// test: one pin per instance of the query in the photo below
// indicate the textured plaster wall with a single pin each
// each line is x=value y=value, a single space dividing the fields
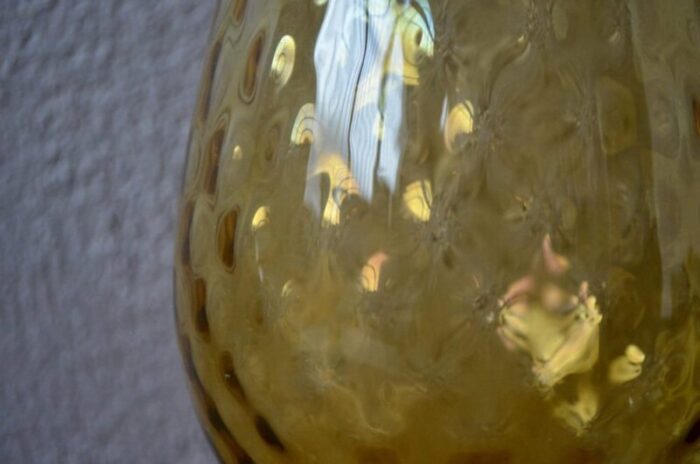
x=95 y=102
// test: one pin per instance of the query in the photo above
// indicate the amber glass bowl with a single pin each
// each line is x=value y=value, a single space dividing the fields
x=445 y=231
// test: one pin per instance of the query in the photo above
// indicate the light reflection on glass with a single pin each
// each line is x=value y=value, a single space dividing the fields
x=304 y=129
x=261 y=218
x=460 y=122
x=371 y=272
x=362 y=75
x=341 y=182
x=418 y=200
x=283 y=61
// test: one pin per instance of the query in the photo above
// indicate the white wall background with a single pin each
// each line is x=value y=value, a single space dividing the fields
x=95 y=102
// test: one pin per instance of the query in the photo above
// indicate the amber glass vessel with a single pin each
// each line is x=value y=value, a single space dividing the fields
x=445 y=231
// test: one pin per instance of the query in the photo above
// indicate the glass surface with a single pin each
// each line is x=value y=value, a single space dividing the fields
x=445 y=232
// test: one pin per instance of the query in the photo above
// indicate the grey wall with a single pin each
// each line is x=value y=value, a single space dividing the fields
x=95 y=102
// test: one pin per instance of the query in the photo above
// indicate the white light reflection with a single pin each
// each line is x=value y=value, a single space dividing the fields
x=362 y=71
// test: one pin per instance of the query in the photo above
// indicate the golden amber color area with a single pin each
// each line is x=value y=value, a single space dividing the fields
x=445 y=232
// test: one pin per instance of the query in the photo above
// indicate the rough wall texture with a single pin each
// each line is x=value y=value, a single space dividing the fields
x=95 y=102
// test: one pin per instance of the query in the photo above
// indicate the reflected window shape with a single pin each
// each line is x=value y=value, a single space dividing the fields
x=366 y=53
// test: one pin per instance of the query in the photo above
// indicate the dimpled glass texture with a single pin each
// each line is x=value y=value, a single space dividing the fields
x=445 y=231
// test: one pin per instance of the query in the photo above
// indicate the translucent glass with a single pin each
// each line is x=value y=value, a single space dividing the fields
x=445 y=232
